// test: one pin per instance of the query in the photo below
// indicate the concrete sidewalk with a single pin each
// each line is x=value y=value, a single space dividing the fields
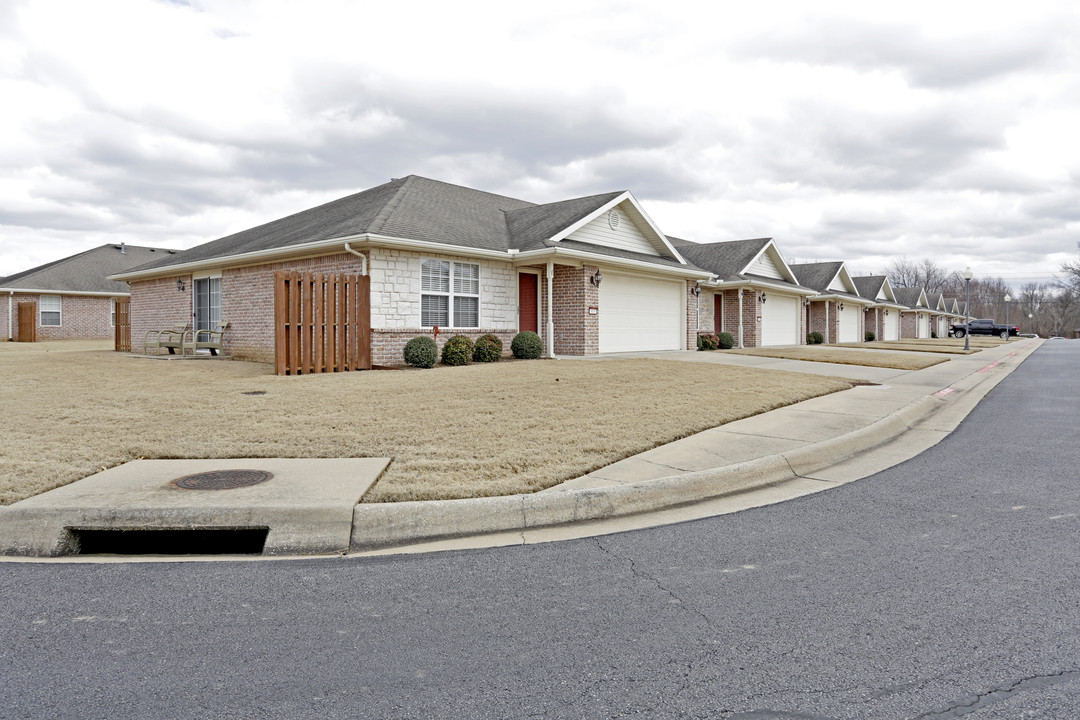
x=791 y=451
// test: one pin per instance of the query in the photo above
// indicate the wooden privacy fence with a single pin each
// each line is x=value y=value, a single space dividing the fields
x=322 y=322
x=122 y=329
x=27 y=322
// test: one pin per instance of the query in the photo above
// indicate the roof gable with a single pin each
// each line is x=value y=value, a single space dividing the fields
x=914 y=298
x=620 y=223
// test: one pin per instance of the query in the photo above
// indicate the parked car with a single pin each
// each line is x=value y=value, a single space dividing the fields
x=984 y=326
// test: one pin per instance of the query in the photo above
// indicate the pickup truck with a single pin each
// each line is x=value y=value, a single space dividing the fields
x=985 y=327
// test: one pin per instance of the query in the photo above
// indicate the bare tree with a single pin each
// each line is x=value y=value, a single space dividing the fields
x=903 y=273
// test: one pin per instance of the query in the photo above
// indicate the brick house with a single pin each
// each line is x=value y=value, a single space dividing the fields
x=915 y=318
x=882 y=316
x=955 y=314
x=444 y=255
x=74 y=297
x=836 y=310
x=753 y=294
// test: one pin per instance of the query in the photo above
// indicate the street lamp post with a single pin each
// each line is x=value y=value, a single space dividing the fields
x=1031 y=324
x=1007 y=333
x=967 y=307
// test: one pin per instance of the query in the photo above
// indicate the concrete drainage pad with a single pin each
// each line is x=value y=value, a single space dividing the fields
x=270 y=506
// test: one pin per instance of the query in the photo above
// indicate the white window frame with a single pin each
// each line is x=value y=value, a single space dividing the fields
x=210 y=276
x=112 y=312
x=59 y=310
x=453 y=292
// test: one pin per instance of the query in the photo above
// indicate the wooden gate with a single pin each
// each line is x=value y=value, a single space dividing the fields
x=27 y=322
x=122 y=328
x=322 y=322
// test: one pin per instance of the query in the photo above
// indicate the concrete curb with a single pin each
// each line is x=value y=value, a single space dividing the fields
x=378 y=526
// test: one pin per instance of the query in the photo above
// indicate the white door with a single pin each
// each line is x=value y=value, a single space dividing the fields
x=779 y=320
x=849 y=323
x=923 y=331
x=638 y=314
x=892 y=325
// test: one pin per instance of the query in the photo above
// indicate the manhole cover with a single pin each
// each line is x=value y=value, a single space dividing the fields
x=222 y=479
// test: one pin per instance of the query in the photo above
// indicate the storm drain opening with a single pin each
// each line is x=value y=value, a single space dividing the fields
x=205 y=541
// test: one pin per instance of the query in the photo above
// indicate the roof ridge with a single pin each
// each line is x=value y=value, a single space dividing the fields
x=391 y=205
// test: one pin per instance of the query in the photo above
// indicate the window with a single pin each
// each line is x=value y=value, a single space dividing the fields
x=50 y=310
x=450 y=291
x=112 y=312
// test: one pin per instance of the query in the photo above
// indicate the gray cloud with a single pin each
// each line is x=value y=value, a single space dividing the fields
x=946 y=62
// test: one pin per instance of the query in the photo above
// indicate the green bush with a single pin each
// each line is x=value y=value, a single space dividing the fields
x=527 y=345
x=488 y=348
x=421 y=352
x=707 y=342
x=457 y=350
x=725 y=341
x=870 y=336
x=933 y=333
x=815 y=338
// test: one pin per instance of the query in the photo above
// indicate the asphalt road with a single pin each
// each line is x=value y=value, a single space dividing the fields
x=945 y=587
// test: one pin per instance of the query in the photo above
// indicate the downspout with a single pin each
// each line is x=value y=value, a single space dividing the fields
x=362 y=256
x=550 y=329
x=740 y=318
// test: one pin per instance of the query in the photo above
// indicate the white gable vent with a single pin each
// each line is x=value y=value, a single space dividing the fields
x=613 y=219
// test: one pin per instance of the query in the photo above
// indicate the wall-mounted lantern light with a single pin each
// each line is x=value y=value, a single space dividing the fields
x=596 y=277
x=696 y=290
x=180 y=284
x=841 y=307
x=762 y=297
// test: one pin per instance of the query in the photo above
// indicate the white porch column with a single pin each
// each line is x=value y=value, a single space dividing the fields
x=550 y=329
x=740 y=317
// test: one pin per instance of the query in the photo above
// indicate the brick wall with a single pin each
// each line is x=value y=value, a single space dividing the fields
x=577 y=332
x=82 y=317
x=387 y=346
x=692 y=315
x=908 y=325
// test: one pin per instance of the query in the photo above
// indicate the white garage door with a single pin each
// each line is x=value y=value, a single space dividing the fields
x=849 y=323
x=892 y=326
x=639 y=314
x=923 y=331
x=779 y=320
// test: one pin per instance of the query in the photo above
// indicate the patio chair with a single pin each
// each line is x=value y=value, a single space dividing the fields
x=210 y=339
x=168 y=339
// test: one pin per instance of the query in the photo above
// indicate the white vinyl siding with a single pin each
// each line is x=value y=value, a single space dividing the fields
x=780 y=320
x=49 y=309
x=765 y=266
x=837 y=285
x=625 y=235
x=449 y=290
x=638 y=314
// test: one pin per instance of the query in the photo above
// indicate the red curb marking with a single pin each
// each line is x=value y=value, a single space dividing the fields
x=990 y=367
x=943 y=393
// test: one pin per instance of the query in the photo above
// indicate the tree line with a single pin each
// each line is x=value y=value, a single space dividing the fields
x=1046 y=308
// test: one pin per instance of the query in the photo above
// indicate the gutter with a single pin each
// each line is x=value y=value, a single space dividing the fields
x=530 y=256
x=736 y=284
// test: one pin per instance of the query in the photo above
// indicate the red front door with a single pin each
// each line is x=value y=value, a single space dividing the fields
x=527 y=309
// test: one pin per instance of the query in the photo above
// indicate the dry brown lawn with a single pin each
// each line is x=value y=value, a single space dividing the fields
x=844 y=356
x=948 y=346
x=73 y=409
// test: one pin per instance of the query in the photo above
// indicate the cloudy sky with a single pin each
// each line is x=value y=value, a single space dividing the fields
x=847 y=131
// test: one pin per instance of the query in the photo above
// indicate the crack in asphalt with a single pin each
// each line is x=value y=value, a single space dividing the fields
x=660 y=586
x=999 y=694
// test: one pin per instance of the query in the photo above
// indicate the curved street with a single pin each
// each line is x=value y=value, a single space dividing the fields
x=944 y=587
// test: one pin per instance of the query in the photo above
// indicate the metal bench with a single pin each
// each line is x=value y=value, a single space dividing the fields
x=169 y=339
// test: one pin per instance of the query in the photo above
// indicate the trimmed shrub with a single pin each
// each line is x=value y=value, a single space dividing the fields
x=457 y=350
x=815 y=338
x=707 y=342
x=421 y=352
x=725 y=341
x=933 y=334
x=527 y=345
x=488 y=348
x=870 y=336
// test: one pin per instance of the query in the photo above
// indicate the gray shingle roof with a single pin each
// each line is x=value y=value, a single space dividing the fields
x=416 y=208
x=869 y=285
x=726 y=259
x=87 y=271
x=908 y=296
x=816 y=275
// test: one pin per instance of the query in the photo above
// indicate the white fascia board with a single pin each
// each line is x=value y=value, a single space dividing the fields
x=777 y=286
x=890 y=306
x=614 y=202
x=579 y=257
x=779 y=258
x=845 y=277
x=307 y=250
x=77 y=293
x=857 y=299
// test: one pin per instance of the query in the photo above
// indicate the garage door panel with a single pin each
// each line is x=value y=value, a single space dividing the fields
x=639 y=314
x=780 y=320
x=849 y=324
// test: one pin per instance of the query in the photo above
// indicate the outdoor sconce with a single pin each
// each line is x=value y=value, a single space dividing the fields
x=596 y=277
x=180 y=284
x=841 y=307
x=886 y=312
x=696 y=290
x=762 y=297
